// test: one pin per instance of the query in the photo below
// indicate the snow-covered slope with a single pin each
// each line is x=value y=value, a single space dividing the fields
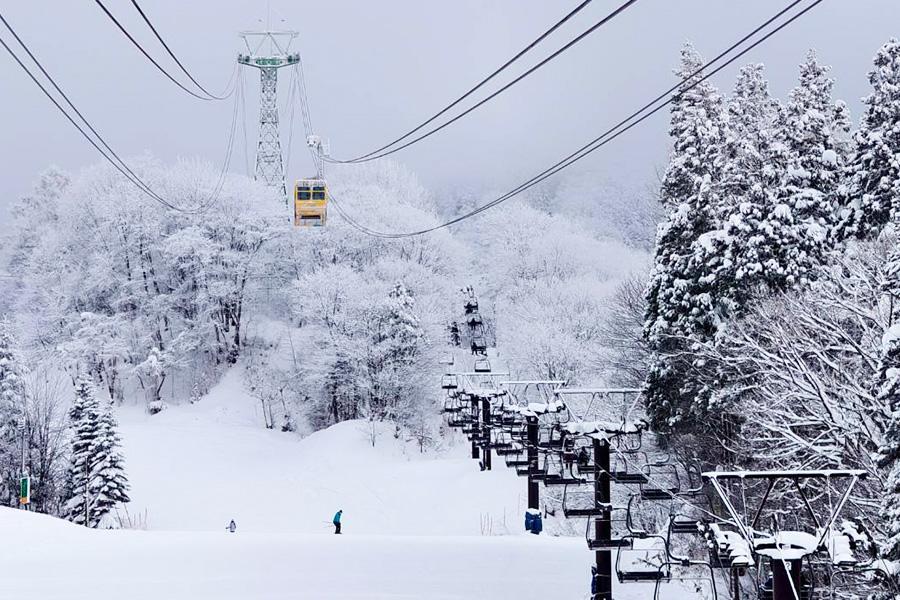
x=54 y=560
x=424 y=527
x=196 y=467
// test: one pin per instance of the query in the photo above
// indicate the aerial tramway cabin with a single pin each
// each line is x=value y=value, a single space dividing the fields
x=310 y=203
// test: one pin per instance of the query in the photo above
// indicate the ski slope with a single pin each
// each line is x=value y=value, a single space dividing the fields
x=195 y=467
x=59 y=560
x=415 y=526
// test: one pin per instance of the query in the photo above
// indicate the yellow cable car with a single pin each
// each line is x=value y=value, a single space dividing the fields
x=310 y=203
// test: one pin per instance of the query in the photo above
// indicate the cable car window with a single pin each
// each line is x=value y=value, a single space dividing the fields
x=303 y=195
x=318 y=195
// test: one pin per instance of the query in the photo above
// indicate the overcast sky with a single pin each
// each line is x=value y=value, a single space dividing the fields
x=375 y=68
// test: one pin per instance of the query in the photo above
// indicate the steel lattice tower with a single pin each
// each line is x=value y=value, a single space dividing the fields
x=268 y=51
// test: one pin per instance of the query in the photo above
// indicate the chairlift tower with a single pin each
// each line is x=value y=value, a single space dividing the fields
x=269 y=51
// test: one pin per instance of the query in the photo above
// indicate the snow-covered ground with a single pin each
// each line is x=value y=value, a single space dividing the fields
x=52 y=559
x=416 y=526
x=196 y=467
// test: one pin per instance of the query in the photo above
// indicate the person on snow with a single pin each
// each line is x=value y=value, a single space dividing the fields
x=232 y=527
x=337 y=521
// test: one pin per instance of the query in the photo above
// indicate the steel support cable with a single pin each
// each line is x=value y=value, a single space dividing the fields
x=224 y=95
x=291 y=99
x=579 y=38
x=137 y=182
x=112 y=157
x=304 y=104
x=242 y=94
x=621 y=127
x=303 y=98
x=147 y=54
x=480 y=84
x=118 y=163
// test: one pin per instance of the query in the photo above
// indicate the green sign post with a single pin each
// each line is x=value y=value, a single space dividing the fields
x=25 y=490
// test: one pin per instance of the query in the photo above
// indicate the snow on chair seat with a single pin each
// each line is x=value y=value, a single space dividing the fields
x=840 y=549
x=727 y=548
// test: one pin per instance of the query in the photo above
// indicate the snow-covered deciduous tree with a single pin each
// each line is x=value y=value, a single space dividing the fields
x=393 y=344
x=798 y=370
x=96 y=480
x=873 y=190
x=12 y=412
x=47 y=443
x=138 y=295
x=887 y=394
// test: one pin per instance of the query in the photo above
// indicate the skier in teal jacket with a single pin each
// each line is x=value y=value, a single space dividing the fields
x=337 y=521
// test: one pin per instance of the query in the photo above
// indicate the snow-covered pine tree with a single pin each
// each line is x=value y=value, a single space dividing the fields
x=873 y=189
x=740 y=255
x=113 y=483
x=813 y=136
x=12 y=410
x=678 y=302
x=404 y=332
x=96 y=478
x=695 y=117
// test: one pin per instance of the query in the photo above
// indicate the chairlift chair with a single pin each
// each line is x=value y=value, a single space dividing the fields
x=482 y=365
x=858 y=582
x=449 y=382
x=629 y=442
x=500 y=441
x=550 y=438
x=663 y=482
x=474 y=320
x=517 y=460
x=479 y=345
x=580 y=500
x=534 y=471
x=766 y=590
x=621 y=474
x=512 y=449
x=643 y=564
x=726 y=546
x=684 y=526
x=459 y=419
x=616 y=539
x=703 y=585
